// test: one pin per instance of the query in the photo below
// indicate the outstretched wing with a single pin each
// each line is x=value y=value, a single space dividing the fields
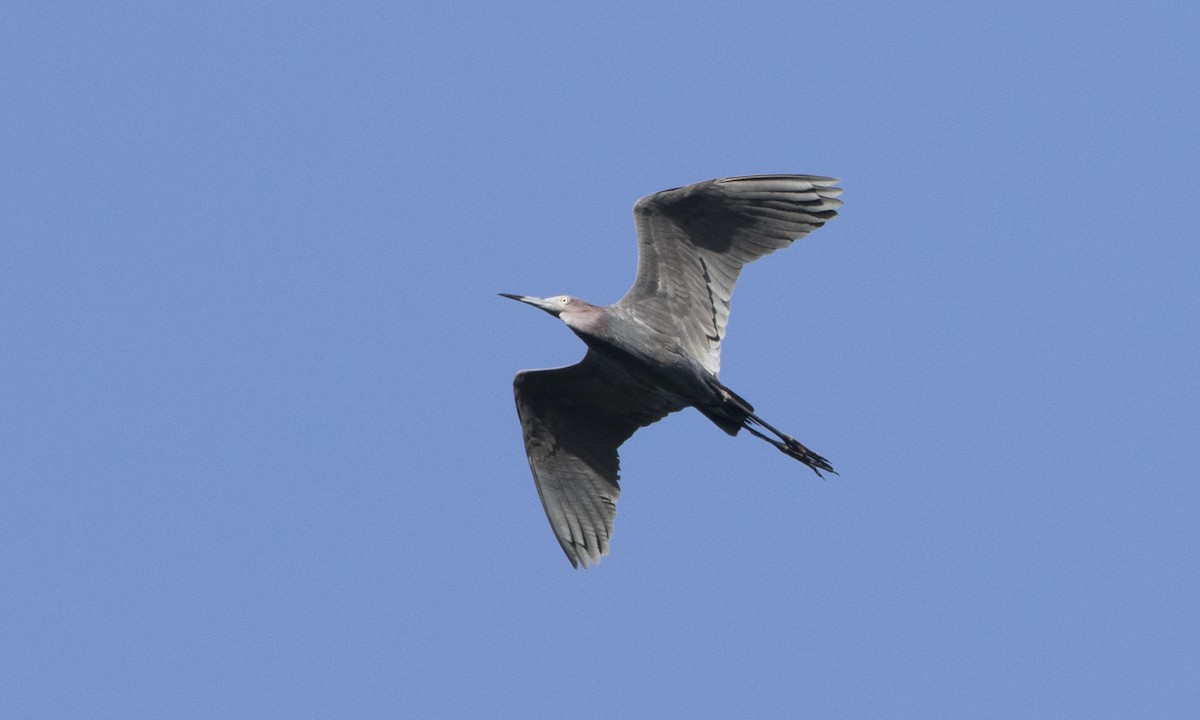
x=694 y=240
x=574 y=419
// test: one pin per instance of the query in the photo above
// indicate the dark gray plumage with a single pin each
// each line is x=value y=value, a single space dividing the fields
x=658 y=349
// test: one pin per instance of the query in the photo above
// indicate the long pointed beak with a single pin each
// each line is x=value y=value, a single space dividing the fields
x=534 y=301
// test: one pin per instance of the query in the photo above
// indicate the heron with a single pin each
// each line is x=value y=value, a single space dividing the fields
x=658 y=349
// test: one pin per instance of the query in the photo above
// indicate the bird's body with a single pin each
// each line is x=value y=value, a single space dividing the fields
x=657 y=350
x=620 y=338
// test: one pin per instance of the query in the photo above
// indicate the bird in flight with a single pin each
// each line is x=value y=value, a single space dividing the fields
x=658 y=349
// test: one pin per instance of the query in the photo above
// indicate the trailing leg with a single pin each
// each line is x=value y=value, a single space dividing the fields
x=788 y=445
x=731 y=413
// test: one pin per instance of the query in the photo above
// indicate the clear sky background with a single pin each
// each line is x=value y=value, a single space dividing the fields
x=258 y=450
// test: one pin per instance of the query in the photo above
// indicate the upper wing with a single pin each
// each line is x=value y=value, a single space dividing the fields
x=694 y=240
x=574 y=419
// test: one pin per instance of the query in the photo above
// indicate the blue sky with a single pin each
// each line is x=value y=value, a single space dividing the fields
x=259 y=456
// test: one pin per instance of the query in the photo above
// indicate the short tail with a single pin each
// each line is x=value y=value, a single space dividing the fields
x=734 y=414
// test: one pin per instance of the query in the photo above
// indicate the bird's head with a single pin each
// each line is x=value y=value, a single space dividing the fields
x=579 y=315
x=556 y=305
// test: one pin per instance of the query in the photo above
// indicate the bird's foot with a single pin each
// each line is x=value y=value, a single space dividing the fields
x=794 y=448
